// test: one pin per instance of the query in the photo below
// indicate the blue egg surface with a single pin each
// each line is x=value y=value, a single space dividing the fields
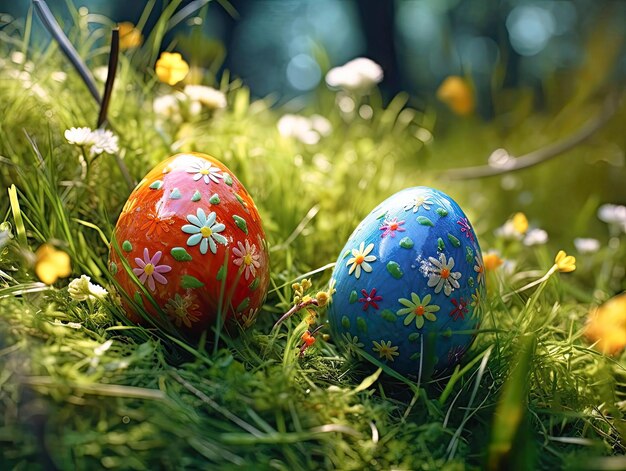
x=410 y=283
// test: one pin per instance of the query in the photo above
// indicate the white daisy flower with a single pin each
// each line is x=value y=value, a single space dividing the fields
x=359 y=74
x=104 y=140
x=508 y=231
x=203 y=169
x=78 y=136
x=612 y=214
x=306 y=130
x=441 y=276
x=535 y=237
x=587 y=245
x=208 y=96
x=81 y=289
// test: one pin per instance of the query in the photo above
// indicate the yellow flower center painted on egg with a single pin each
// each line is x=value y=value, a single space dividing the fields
x=247 y=259
x=206 y=232
x=204 y=171
x=148 y=269
x=359 y=259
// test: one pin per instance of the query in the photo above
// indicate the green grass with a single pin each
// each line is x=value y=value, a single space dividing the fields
x=82 y=388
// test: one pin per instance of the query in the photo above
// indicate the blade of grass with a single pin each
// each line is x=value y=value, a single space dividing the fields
x=47 y=18
x=17 y=217
x=511 y=406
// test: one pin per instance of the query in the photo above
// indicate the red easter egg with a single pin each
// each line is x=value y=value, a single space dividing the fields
x=192 y=235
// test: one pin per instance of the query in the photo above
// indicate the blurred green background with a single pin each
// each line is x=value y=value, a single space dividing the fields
x=539 y=70
x=271 y=44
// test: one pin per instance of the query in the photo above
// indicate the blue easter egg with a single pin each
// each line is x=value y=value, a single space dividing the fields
x=410 y=283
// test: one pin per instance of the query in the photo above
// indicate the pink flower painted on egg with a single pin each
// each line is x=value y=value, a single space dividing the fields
x=148 y=269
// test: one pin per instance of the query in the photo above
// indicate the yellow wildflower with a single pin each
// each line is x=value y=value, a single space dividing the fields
x=171 y=68
x=130 y=36
x=457 y=94
x=322 y=298
x=492 y=261
x=565 y=263
x=606 y=325
x=51 y=264
x=520 y=223
x=306 y=284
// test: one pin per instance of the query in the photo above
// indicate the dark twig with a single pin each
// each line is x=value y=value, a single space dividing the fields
x=108 y=90
x=296 y=308
x=46 y=17
x=108 y=86
x=531 y=159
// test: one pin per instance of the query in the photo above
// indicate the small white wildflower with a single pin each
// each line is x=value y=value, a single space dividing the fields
x=29 y=66
x=612 y=214
x=81 y=289
x=104 y=140
x=508 y=231
x=587 y=245
x=208 y=96
x=58 y=76
x=308 y=131
x=359 y=74
x=166 y=106
x=535 y=237
x=78 y=136
x=18 y=57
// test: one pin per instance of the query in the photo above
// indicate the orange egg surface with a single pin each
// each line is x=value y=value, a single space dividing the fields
x=192 y=236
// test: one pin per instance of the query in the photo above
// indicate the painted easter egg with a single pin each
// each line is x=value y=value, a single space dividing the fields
x=409 y=283
x=189 y=245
